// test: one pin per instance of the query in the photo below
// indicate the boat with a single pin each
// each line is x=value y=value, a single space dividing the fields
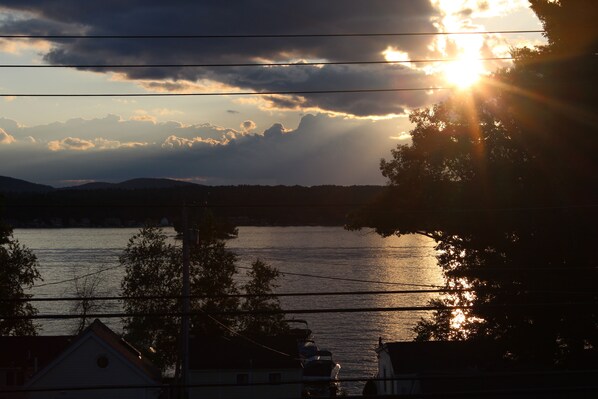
x=320 y=371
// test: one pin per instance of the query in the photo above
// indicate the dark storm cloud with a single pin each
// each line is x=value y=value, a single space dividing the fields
x=242 y=17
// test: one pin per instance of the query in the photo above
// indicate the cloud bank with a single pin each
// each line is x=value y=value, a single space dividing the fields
x=320 y=150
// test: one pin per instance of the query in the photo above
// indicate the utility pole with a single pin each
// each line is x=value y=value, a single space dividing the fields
x=186 y=309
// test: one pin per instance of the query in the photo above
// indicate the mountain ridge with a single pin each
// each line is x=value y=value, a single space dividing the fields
x=133 y=184
x=11 y=184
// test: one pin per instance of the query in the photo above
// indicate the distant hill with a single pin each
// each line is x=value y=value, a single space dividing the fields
x=91 y=186
x=10 y=184
x=133 y=184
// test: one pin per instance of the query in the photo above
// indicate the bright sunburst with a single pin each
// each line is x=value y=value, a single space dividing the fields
x=464 y=72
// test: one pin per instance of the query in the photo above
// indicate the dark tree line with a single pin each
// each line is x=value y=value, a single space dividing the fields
x=504 y=178
x=242 y=205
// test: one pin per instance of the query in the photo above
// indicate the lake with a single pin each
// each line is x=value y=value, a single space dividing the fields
x=318 y=251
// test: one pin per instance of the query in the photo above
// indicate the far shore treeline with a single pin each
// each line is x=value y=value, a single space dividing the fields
x=239 y=205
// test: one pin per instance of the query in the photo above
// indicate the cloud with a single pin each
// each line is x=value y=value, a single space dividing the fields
x=320 y=150
x=140 y=128
x=181 y=142
x=70 y=143
x=144 y=118
x=243 y=17
x=78 y=144
x=6 y=138
x=401 y=137
x=248 y=126
x=16 y=47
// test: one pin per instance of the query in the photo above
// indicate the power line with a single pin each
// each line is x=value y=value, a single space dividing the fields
x=422 y=377
x=77 y=277
x=232 y=93
x=271 y=36
x=249 y=268
x=434 y=288
x=7 y=204
x=250 y=64
x=271 y=295
x=351 y=279
x=575 y=305
x=234 y=332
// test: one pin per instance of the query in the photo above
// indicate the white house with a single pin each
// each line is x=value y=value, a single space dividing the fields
x=474 y=369
x=98 y=357
x=237 y=364
x=437 y=367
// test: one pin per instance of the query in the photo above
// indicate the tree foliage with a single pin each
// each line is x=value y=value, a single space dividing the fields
x=260 y=285
x=504 y=179
x=153 y=267
x=18 y=272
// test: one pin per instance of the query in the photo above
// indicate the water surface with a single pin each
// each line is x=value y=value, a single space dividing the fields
x=319 y=251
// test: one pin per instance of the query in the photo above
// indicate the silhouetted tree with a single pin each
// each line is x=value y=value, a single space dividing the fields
x=504 y=179
x=153 y=267
x=18 y=271
x=261 y=285
x=85 y=290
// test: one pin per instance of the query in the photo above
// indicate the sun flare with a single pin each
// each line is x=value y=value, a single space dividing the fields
x=463 y=73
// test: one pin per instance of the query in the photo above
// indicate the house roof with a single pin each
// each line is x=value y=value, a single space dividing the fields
x=31 y=351
x=440 y=356
x=480 y=367
x=124 y=348
x=212 y=352
x=100 y=332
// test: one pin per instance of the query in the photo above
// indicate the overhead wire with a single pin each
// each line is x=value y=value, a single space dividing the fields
x=249 y=268
x=251 y=93
x=23 y=204
x=251 y=64
x=244 y=337
x=231 y=93
x=237 y=93
x=270 y=295
x=428 y=308
x=422 y=377
x=351 y=279
x=77 y=277
x=267 y=36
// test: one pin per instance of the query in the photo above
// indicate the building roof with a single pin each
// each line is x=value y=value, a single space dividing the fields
x=31 y=351
x=124 y=348
x=465 y=366
x=223 y=353
x=99 y=331
x=440 y=356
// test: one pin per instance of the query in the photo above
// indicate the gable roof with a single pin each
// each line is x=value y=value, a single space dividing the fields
x=108 y=338
x=216 y=352
x=124 y=348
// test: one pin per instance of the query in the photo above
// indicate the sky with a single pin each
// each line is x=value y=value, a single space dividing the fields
x=306 y=139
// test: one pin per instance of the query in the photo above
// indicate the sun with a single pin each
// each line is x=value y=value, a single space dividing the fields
x=464 y=72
